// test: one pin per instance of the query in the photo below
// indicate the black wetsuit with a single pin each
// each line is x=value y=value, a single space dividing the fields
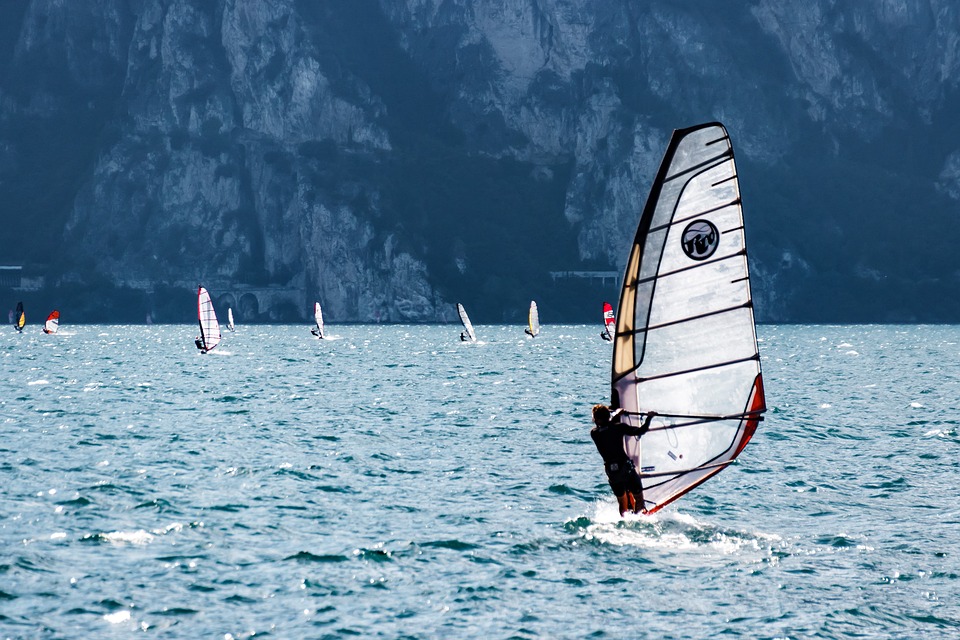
x=621 y=473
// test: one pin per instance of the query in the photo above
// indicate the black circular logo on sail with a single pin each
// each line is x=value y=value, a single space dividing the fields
x=700 y=239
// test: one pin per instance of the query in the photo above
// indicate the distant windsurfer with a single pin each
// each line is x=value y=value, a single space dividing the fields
x=199 y=343
x=19 y=318
x=315 y=331
x=529 y=333
x=622 y=475
x=606 y=336
x=463 y=336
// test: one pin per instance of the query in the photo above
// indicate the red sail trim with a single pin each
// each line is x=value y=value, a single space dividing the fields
x=52 y=322
x=758 y=404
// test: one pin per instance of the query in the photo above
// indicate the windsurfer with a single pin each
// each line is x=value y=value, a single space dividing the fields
x=622 y=475
x=606 y=335
x=463 y=337
x=529 y=333
x=199 y=344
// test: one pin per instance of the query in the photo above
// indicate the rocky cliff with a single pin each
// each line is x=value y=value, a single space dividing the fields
x=390 y=158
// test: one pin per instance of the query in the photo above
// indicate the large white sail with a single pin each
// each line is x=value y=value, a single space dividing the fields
x=467 y=325
x=533 y=320
x=209 y=327
x=318 y=319
x=685 y=343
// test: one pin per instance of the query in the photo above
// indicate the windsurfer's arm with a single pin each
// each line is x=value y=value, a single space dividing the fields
x=638 y=431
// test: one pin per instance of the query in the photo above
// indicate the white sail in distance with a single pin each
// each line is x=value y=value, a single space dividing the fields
x=230 y=324
x=318 y=320
x=207 y=317
x=685 y=344
x=533 y=320
x=467 y=325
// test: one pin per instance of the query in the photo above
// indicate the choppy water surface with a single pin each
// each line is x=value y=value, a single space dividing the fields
x=396 y=482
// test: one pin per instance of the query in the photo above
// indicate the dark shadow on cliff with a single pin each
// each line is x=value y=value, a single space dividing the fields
x=489 y=228
x=52 y=127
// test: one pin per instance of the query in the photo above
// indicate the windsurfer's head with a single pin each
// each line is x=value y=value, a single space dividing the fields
x=601 y=415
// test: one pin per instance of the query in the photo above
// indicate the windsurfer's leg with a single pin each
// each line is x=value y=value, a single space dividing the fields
x=623 y=503
x=635 y=489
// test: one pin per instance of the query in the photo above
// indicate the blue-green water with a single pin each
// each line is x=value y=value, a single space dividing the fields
x=395 y=482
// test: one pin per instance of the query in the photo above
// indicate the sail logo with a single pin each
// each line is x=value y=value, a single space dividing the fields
x=700 y=239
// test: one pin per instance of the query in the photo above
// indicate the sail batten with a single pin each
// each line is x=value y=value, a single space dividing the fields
x=698 y=214
x=714 y=162
x=728 y=363
x=742 y=252
x=718 y=365
x=747 y=304
x=695 y=420
x=713 y=465
x=685 y=341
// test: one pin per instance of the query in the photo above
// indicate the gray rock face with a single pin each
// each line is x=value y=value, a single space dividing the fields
x=207 y=181
x=390 y=158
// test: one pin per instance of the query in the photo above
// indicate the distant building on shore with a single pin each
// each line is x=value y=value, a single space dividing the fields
x=16 y=277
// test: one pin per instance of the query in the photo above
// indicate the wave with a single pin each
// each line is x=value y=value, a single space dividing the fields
x=672 y=531
x=140 y=537
x=307 y=557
